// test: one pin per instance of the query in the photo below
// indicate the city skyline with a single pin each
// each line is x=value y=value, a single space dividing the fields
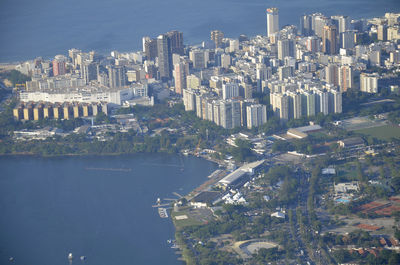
x=301 y=125
x=122 y=34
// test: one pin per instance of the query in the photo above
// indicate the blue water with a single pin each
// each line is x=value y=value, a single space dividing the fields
x=53 y=206
x=48 y=27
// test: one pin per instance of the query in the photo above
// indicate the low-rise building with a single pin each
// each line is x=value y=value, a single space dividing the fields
x=347 y=187
x=351 y=142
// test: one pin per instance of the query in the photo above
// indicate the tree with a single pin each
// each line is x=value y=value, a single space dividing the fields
x=16 y=77
x=360 y=174
x=282 y=146
x=243 y=151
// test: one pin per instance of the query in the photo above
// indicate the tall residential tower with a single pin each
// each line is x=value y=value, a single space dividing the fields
x=272 y=21
x=164 y=56
x=329 y=40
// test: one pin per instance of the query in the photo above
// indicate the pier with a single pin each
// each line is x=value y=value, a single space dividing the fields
x=177 y=194
x=160 y=205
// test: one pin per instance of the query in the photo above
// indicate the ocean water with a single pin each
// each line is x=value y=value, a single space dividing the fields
x=47 y=27
x=53 y=206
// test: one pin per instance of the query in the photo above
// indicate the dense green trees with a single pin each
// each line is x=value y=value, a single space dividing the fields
x=15 y=77
x=383 y=257
x=264 y=256
x=243 y=151
x=276 y=173
x=282 y=146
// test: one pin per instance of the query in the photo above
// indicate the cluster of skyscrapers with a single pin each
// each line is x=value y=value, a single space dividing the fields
x=230 y=111
x=300 y=71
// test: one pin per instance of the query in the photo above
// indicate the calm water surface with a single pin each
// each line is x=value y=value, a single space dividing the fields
x=47 y=27
x=52 y=206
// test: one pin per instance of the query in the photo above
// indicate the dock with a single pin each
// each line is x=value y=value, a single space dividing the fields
x=160 y=205
x=162 y=212
x=177 y=194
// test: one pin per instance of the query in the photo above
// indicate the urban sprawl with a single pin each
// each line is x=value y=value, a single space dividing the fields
x=304 y=122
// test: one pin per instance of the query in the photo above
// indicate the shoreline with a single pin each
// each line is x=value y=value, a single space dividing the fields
x=181 y=247
x=137 y=164
x=78 y=155
x=180 y=242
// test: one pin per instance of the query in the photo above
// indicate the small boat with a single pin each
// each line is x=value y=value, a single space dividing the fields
x=162 y=212
x=70 y=256
x=83 y=257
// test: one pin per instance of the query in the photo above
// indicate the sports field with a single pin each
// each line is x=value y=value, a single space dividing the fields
x=359 y=123
x=385 y=132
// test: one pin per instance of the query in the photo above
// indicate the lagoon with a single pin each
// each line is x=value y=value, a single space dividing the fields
x=99 y=207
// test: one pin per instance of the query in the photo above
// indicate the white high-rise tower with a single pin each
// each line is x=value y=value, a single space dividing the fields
x=272 y=21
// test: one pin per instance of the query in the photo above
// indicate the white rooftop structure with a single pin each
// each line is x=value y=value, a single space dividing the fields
x=240 y=172
x=278 y=215
x=347 y=186
x=328 y=171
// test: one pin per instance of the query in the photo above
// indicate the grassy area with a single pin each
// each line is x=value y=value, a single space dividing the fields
x=386 y=132
x=190 y=221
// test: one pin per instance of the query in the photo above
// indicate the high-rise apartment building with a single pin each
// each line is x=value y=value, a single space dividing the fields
x=331 y=74
x=216 y=37
x=322 y=101
x=88 y=71
x=394 y=56
x=319 y=21
x=116 y=76
x=226 y=114
x=225 y=60
x=144 y=40
x=192 y=81
x=382 y=32
x=294 y=105
x=199 y=58
x=236 y=113
x=256 y=115
x=285 y=72
x=233 y=45
x=217 y=113
x=59 y=67
x=306 y=25
x=150 y=48
x=335 y=101
x=164 y=53
x=285 y=48
x=181 y=70
x=308 y=103
x=230 y=90
x=313 y=44
x=73 y=53
x=280 y=105
x=272 y=21
x=329 y=40
x=176 y=42
x=342 y=23
x=369 y=82
x=347 y=39
x=346 y=78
